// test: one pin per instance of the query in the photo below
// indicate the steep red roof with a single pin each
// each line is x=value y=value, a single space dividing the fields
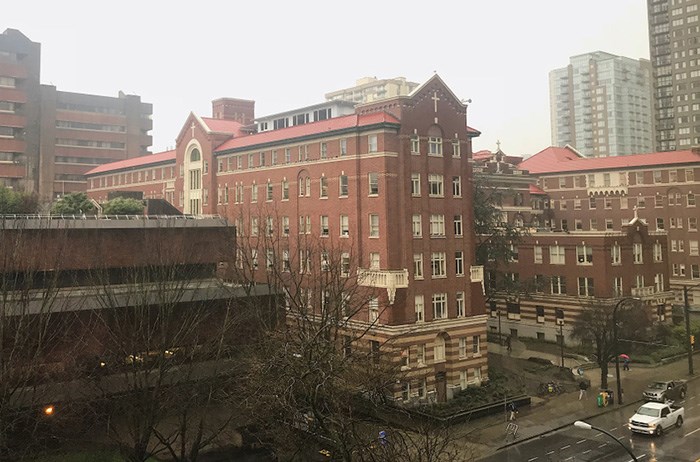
x=337 y=123
x=223 y=126
x=473 y=131
x=548 y=158
x=483 y=154
x=534 y=189
x=140 y=161
x=556 y=160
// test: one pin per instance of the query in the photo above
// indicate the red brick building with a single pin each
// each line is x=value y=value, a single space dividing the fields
x=598 y=227
x=389 y=184
x=50 y=138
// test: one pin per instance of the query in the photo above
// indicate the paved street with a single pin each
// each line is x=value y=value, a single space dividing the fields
x=546 y=432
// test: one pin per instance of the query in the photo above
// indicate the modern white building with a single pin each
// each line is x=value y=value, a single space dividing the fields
x=601 y=104
x=369 y=89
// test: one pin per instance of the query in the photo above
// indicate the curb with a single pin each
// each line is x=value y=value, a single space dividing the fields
x=612 y=409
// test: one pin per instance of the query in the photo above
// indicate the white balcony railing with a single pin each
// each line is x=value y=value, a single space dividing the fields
x=476 y=274
x=643 y=291
x=385 y=279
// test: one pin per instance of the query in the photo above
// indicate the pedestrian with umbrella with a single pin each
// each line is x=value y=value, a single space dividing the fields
x=626 y=363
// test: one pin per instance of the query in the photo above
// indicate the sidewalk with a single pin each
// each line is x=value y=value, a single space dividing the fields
x=550 y=414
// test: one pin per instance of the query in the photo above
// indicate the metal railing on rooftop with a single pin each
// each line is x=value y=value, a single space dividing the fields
x=105 y=217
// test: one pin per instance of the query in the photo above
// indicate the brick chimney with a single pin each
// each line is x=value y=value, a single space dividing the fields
x=239 y=110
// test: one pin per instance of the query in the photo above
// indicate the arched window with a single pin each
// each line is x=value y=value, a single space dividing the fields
x=439 y=348
x=195 y=156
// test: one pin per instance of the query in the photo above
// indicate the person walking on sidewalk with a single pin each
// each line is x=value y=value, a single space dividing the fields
x=512 y=411
x=626 y=364
x=582 y=388
x=509 y=346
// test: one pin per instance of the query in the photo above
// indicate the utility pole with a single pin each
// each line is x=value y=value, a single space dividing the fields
x=561 y=337
x=689 y=344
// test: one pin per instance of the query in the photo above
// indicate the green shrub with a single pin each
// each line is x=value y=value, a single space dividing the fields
x=123 y=206
x=73 y=204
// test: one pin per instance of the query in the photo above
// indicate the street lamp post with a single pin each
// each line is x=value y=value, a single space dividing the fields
x=500 y=336
x=561 y=341
x=689 y=343
x=616 y=346
x=586 y=426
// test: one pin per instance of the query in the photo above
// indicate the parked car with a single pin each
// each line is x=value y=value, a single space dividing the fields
x=654 y=418
x=661 y=392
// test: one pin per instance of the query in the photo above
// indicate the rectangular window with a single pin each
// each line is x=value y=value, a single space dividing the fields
x=343 y=147
x=658 y=252
x=558 y=285
x=415 y=184
x=374 y=225
x=657 y=176
x=324 y=226
x=439 y=306
x=343 y=191
x=345 y=264
x=285 y=226
x=415 y=144
x=584 y=254
x=323 y=184
x=417 y=226
x=323 y=147
x=287 y=155
x=374 y=260
x=437 y=225
x=660 y=224
x=476 y=349
x=459 y=297
x=373 y=184
x=459 y=263
x=556 y=255
x=691 y=199
x=435 y=185
x=419 y=308
x=692 y=224
x=609 y=224
x=437 y=265
x=458 y=225
x=616 y=254
x=285 y=190
x=269 y=191
x=463 y=347
x=539 y=312
x=457 y=186
x=637 y=252
x=659 y=282
x=693 y=248
x=374 y=312
x=418 y=266
x=372 y=143
x=456 y=149
x=538 y=253
x=585 y=287
x=591 y=203
x=344 y=226
x=254 y=226
x=420 y=354
x=617 y=287
x=435 y=146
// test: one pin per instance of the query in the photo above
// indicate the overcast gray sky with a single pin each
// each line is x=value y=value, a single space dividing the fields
x=285 y=54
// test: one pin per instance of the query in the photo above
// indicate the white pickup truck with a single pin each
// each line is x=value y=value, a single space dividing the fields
x=654 y=418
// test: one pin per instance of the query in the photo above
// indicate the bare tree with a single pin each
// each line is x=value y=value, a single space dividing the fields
x=320 y=379
x=166 y=331
x=37 y=331
x=595 y=326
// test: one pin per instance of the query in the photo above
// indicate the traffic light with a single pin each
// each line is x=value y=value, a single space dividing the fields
x=692 y=340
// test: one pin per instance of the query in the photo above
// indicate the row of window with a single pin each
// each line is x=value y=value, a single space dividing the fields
x=304 y=184
x=674 y=199
x=585 y=285
x=440 y=306
x=437 y=225
x=624 y=178
x=418 y=389
x=584 y=254
x=416 y=355
x=149 y=174
x=438 y=264
x=674 y=223
x=326 y=149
